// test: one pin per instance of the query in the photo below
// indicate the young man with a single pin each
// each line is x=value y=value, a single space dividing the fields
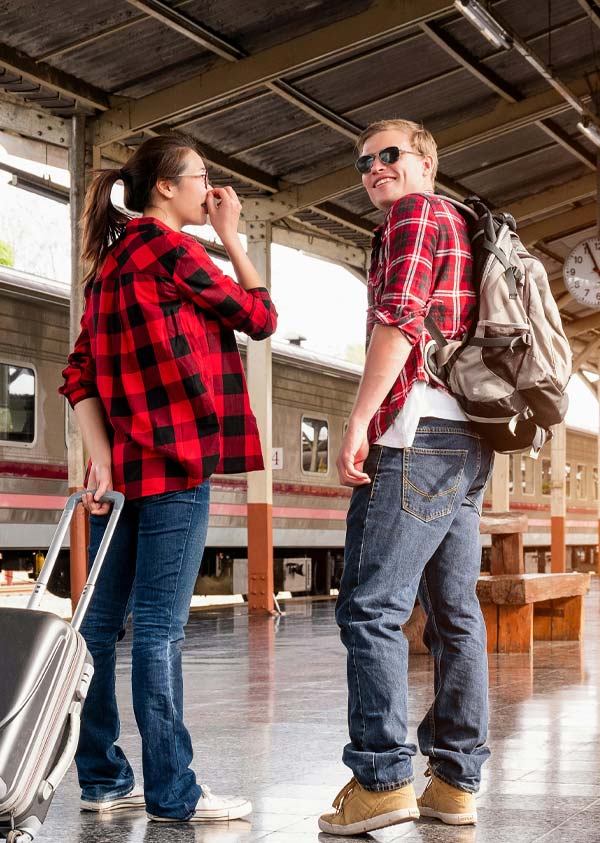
x=419 y=471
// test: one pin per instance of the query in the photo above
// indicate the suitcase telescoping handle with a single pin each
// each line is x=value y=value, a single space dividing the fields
x=118 y=501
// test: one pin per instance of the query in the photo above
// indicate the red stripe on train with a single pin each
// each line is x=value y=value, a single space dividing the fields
x=40 y=471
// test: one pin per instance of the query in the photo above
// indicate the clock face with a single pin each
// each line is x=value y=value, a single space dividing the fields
x=581 y=272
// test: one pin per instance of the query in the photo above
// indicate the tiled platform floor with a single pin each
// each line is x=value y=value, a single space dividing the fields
x=266 y=707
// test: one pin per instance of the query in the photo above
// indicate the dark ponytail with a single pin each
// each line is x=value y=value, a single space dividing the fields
x=160 y=157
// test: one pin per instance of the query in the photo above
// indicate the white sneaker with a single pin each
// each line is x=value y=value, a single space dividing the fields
x=213 y=808
x=133 y=799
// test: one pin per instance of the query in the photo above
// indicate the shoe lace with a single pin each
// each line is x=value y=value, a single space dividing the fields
x=338 y=802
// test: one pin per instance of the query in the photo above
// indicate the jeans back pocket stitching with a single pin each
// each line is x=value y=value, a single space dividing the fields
x=407 y=482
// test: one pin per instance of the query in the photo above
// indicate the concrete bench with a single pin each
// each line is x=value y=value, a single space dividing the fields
x=517 y=607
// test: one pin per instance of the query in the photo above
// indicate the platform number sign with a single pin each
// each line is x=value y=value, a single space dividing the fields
x=581 y=272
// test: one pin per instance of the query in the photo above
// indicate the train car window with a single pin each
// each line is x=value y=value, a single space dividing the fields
x=546 y=476
x=527 y=475
x=17 y=404
x=315 y=446
x=581 y=482
x=568 y=479
x=511 y=475
x=595 y=482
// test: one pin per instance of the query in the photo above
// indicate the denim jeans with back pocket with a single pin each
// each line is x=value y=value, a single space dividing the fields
x=415 y=530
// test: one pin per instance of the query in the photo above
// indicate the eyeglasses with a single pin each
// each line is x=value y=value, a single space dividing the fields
x=389 y=155
x=201 y=174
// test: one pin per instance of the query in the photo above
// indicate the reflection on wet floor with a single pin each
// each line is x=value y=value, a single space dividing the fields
x=266 y=706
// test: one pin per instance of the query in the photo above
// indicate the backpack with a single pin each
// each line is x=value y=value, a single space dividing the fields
x=510 y=373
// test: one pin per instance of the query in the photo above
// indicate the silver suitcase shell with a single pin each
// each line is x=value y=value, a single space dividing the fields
x=45 y=671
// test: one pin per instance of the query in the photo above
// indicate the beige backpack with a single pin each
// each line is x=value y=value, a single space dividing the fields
x=510 y=373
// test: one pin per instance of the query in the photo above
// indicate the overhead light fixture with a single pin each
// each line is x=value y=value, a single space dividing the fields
x=502 y=38
x=591 y=131
x=485 y=23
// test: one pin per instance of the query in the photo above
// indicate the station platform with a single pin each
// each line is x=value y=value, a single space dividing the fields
x=266 y=706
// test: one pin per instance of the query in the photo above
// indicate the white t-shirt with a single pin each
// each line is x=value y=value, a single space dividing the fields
x=422 y=401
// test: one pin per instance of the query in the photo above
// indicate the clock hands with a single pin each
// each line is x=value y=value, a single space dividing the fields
x=586 y=245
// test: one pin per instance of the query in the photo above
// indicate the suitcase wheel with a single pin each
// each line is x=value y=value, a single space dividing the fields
x=16 y=836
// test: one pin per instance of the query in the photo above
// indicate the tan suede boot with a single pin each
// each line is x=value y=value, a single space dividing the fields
x=447 y=803
x=359 y=810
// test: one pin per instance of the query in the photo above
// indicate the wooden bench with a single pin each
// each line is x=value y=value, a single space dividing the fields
x=517 y=607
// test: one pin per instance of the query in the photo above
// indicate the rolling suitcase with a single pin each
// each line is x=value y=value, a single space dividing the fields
x=45 y=672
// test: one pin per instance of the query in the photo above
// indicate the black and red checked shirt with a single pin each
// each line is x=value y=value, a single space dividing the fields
x=421 y=262
x=157 y=347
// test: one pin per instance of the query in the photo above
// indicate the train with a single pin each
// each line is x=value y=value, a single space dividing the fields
x=312 y=400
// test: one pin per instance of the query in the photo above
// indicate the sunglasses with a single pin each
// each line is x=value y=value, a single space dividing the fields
x=389 y=155
x=201 y=174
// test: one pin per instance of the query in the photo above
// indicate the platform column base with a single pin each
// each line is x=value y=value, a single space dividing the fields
x=260 y=557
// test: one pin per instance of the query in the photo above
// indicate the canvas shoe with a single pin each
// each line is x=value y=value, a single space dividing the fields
x=213 y=808
x=359 y=810
x=447 y=803
x=133 y=799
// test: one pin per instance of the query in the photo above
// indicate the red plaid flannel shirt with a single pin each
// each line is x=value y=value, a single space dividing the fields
x=157 y=347
x=421 y=262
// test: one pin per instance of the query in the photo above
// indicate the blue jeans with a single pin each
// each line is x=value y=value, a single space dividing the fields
x=153 y=559
x=415 y=529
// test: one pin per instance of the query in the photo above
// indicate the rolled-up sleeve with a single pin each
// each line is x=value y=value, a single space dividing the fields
x=250 y=311
x=80 y=372
x=409 y=242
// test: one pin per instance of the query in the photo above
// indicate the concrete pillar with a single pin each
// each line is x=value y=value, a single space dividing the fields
x=260 y=483
x=78 y=538
x=558 y=503
x=500 y=489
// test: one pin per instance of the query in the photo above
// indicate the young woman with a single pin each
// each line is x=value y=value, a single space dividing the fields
x=158 y=388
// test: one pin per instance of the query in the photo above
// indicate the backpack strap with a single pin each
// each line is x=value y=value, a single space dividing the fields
x=511 y=273
x=434 y=331
x=499 y=342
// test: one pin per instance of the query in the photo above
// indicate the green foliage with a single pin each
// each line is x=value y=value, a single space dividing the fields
x=355 y=353
x=7 y=254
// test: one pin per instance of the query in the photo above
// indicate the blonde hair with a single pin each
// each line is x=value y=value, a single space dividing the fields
x=420 y=139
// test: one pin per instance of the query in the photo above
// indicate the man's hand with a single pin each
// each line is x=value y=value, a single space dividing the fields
x=353 y=453
x=100 y=479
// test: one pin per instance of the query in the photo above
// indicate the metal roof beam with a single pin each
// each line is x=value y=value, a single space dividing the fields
x=475 y=67
x=553 y=198
x=591 y=9
x=190 y=28
x=50 y=77
x=560 y=225
x=345 y=61
x=492 y=81
x=297 y=197
x=78 y=43
x=508 y=117
x=384 y=17
x=505 y=118
x=572 y=145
